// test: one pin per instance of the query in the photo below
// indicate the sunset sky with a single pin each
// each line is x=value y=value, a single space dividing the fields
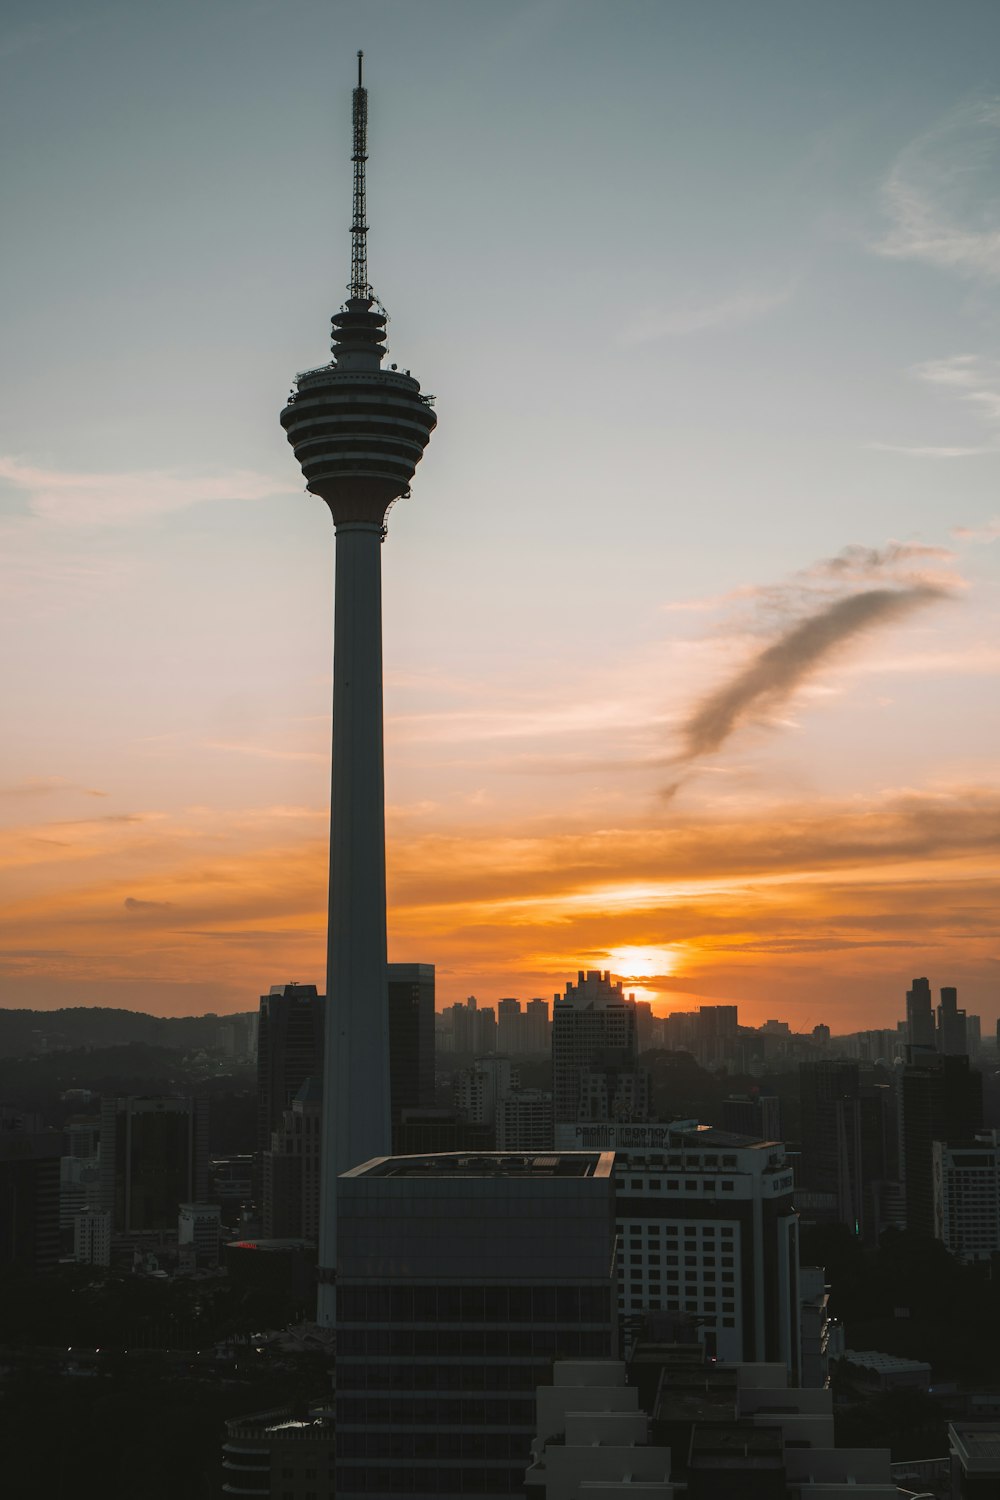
x=692 y=623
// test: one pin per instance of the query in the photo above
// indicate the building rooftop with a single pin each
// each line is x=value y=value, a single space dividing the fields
x=454 y=1164
x=976 y=1440
x=872 y=1359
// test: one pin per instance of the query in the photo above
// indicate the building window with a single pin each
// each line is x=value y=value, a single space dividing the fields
x=729 y=1322
x=727 y=1187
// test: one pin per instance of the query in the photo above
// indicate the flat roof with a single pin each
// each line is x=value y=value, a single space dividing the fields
x=516 y=1164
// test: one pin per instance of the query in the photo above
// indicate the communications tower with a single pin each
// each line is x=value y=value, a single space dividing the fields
x=358 y=432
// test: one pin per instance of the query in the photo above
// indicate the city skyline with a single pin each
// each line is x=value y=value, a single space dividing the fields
x=760 y=772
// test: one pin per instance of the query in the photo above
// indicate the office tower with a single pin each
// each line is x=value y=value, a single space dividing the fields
x=707 y=1226
x=524 y=1120
x=919 y=1015
x=470 y=1028
x=290 y=1170
x=966 y=1178
x=942 y=1100
x=537 y=1026
x=199 y=1234
x=952 y=1039
x=459 y=1280
x=29 y=1199
x=510 y=1027
x=754 y=1115
x=358 y=432
x=411 y=1038
x=92 y=1237
x=79 y=1184
x=595 y=1056
x=289 y=1050
x=716 y=1033
x=845 y=1121
x=479 y=1088
x=286 y=1453
x=154 y=1155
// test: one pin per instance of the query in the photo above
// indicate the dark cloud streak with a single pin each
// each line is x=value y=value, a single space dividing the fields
x=773 y=675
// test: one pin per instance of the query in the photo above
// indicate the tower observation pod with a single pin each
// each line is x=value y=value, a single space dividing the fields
x=358 y=432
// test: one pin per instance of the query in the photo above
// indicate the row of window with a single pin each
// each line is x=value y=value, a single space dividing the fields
x=473 y=1304
x=673 y=1185
x=547 y=1343
x=673 y=1231
x=429 y=1482
x=424 y=1377
x=431 y=1443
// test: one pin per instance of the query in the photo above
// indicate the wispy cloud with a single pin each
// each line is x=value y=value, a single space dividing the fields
x=769 y=680
x=974 y=380
x=47 y=786
x=987 y=533
x=942 y=195
x=707 y=317
x=112 y=499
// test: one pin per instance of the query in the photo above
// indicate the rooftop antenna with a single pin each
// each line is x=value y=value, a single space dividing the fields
x=360 y=286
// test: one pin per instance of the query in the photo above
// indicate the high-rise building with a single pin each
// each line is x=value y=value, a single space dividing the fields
x=291 y=1169
x=358 y=432
x=478 y=1089
x=29 y=1199
x=595 y=1056
x=942 y=1100
x=411 y=1038
x=966 y=1179
x=707 y=1226
x=845 y=1121
x=510 y=1027
x=537 y=1026
x=289 y=1050
x=919 y=1014
x=754 y=1115
x=92 y=1237
x=524 y=1120
x=952 y=1038
x=199 y=1233
x=154 y=1156
x=459 y=1280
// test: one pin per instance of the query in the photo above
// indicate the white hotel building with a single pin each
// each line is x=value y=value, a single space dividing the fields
x=706 y=1227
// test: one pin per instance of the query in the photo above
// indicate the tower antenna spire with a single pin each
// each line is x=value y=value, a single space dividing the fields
x=360 y=286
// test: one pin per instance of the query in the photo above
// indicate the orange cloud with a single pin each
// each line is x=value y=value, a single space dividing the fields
x=821 y=911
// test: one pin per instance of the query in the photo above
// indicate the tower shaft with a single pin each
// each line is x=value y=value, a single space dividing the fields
x=356 y=1110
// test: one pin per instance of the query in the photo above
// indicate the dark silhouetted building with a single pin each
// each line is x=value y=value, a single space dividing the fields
x=289 y=1050
x=845 y=1112
x=952 y=1036
x=920 y=1014
x=460 y=1279
x=154 y=1156
x=595 y=1056
x=291 y=1168
x=755 y=1115
x=29 y=1199
x=411 y=1039
x=942 y=1099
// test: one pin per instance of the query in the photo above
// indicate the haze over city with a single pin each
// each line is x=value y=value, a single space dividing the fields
x=691 y=622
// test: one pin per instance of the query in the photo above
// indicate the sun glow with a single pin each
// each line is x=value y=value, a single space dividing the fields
x=642 y=969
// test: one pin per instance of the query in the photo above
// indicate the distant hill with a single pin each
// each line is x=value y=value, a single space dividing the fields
x=26 y=1033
